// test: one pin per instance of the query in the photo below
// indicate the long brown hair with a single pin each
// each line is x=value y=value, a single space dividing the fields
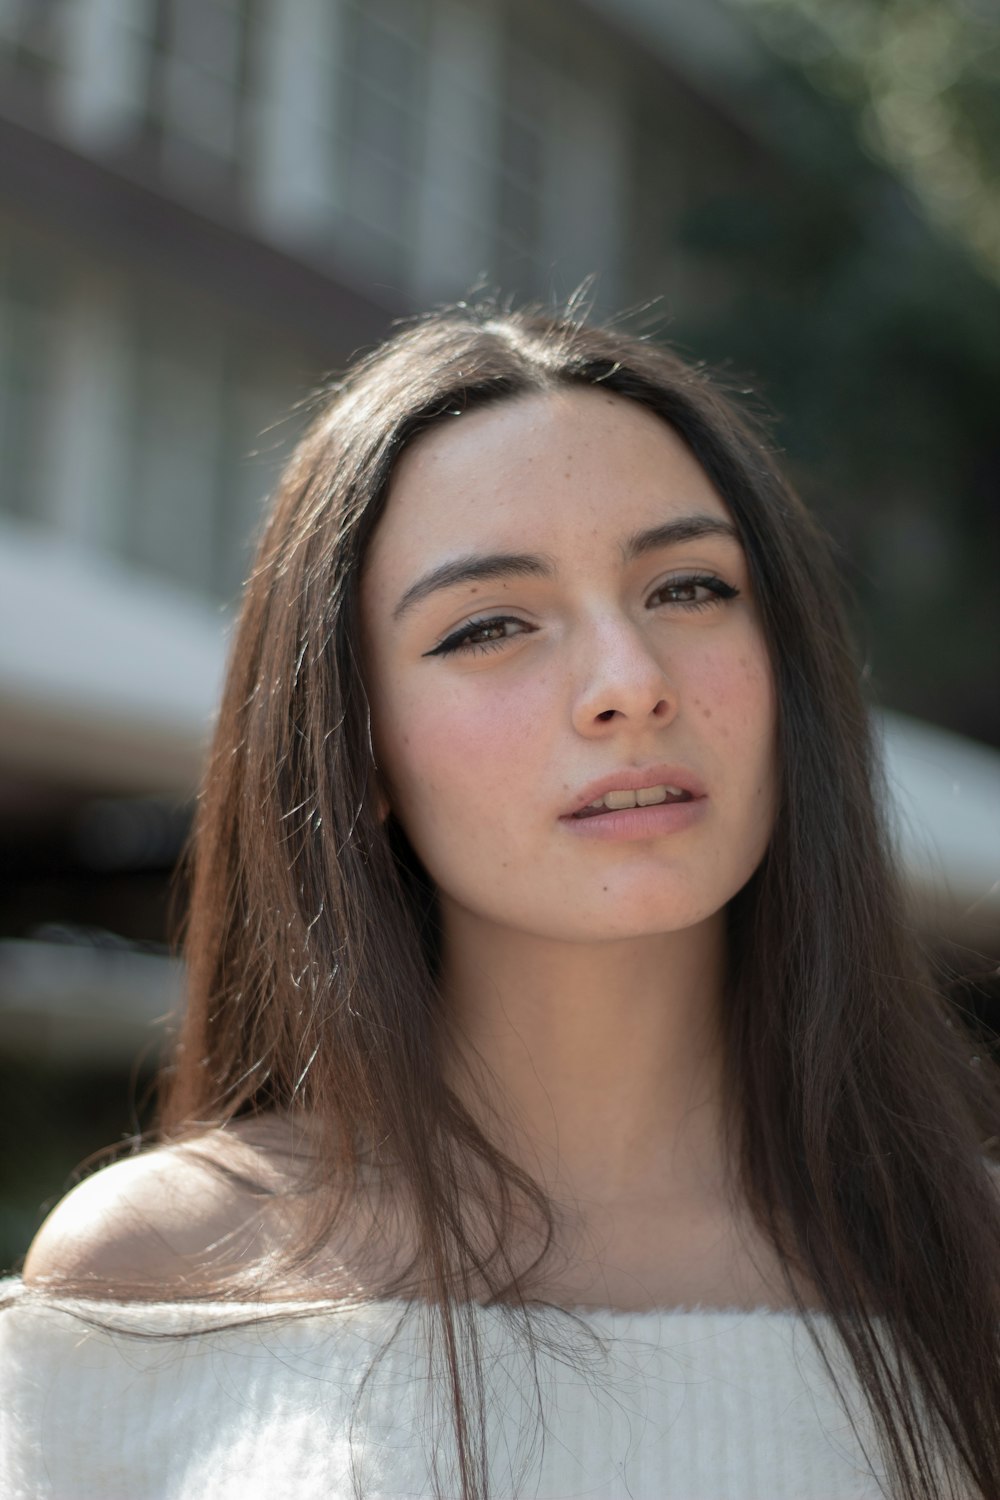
x=859 y=1127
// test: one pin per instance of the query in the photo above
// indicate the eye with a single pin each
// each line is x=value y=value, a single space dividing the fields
x=684 y=591
x=490 y=632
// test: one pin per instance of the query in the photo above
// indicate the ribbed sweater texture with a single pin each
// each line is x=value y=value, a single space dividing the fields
x=99 y=1402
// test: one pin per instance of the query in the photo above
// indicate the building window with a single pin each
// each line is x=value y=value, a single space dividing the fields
x=131 y=424
x=200 y=88
x=383 y=122
x=31 y=39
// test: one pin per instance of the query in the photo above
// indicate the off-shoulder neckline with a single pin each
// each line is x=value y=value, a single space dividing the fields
x=13 y=1289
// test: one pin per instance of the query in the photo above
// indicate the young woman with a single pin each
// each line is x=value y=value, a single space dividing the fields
x=562 y=1105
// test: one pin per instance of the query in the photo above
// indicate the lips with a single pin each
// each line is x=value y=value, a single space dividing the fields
x=632 y=779
x=602 y=812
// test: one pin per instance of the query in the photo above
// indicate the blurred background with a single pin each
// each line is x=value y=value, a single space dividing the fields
x=207 y=206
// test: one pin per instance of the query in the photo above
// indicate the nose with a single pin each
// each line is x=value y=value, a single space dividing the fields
x=626 y=679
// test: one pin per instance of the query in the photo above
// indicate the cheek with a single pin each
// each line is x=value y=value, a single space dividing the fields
x=454 y=748
x=734 y=708
x=732 y=696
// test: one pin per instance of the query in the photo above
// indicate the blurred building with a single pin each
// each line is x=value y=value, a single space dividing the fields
x=205 y=206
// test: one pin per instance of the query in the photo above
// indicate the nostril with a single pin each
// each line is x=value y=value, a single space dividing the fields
x=607 y=714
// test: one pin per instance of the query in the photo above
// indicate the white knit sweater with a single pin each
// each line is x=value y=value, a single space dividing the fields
x=677 y=1405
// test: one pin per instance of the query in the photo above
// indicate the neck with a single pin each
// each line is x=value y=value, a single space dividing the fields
x=596 y=1067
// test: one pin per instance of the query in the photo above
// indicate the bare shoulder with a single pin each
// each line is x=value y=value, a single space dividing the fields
x=154 y=1218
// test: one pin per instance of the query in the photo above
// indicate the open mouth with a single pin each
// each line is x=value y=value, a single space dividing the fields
x=634 y=806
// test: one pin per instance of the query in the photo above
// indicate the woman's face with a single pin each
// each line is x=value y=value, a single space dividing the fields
x=594 y=650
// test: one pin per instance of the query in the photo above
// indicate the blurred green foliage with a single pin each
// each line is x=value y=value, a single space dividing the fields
x=923 y=80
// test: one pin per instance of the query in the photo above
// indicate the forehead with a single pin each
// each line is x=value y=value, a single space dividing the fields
x=541 y=469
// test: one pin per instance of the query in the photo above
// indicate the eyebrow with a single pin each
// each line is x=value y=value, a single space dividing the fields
x=476 y=567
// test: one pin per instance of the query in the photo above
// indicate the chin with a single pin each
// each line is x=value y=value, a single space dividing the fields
x=619 y=920
x=655 y=904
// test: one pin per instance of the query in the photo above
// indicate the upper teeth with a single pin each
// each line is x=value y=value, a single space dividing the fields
x=644 y=797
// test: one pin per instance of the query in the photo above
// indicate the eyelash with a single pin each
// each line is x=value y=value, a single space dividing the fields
x=460 y=640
